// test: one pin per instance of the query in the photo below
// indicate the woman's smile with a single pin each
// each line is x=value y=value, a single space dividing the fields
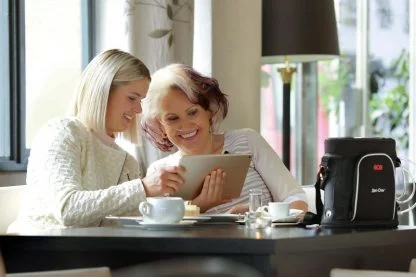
x=189 y=135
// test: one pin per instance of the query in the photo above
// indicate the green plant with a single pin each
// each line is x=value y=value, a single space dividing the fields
x=334 y=77
x=389 y=110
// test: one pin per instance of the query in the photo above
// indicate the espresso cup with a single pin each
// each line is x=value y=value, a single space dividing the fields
x=166 y=210
x=276 y=209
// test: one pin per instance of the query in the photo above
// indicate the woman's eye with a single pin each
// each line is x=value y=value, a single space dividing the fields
x=132 y=98
x=171 y=119
x=193 y=112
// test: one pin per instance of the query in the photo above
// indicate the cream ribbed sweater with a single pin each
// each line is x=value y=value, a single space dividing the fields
x=266 y=172
x=75 y=179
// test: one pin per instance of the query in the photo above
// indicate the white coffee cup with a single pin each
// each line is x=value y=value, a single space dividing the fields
x=165 y=210
x=276 y=209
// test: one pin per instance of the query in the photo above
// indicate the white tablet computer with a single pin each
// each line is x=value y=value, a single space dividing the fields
x=199 y=166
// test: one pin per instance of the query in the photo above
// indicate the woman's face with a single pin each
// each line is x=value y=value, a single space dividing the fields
x=186 y=125
x=124 y=103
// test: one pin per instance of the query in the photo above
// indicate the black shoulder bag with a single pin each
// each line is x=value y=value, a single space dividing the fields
x=358 y=179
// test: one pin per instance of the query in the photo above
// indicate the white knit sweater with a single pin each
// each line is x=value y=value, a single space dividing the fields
x=75 y=179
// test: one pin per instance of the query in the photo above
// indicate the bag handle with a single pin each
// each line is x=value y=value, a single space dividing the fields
x=311 y=218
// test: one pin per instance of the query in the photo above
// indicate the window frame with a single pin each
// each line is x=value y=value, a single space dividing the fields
x=16 y=83
x=19 y=154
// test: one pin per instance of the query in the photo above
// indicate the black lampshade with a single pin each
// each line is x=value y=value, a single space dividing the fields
x=301 y=30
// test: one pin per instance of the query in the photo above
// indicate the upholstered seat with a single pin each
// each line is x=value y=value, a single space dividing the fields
x=187 y=267
x=337 y=272
x=412 y=267
x=81 y=272
x=10 y=199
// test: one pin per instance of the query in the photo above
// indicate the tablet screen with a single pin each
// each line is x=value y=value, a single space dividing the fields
x=199 y=166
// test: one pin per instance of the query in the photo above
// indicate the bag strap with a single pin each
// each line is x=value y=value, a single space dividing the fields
x=311 y=218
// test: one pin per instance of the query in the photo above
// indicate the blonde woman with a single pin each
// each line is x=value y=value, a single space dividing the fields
x=184 y=108
x=77 y=174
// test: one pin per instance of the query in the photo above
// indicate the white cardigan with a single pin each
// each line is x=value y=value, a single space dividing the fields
x=76 y=179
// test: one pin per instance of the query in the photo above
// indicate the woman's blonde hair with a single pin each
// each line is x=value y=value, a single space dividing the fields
x=199 y=89
x=108 y=70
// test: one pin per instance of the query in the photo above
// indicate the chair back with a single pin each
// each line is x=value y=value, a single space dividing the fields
x=2 y=269
x=337 y=272
x=187 y=267
x=412 y=267
x=310 y=194
x=10 y=200
x=81 y=272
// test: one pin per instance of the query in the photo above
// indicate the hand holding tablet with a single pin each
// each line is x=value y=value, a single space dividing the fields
x=199 y=166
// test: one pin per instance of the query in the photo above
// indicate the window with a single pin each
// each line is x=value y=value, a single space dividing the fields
x=12 y=152
x=348 y=102
x=49 y=43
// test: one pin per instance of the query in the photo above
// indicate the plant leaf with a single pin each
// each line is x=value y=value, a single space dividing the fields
x=170 y=40
x=170 y=12
x=158 y=33
x=175 y=2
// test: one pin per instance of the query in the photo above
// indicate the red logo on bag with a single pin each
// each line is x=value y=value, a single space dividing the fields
x=377 y=167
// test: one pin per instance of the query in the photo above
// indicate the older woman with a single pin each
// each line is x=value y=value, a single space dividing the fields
x=184 y=108
x=76 y=172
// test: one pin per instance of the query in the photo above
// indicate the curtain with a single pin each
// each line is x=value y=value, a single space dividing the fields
x=158 y=32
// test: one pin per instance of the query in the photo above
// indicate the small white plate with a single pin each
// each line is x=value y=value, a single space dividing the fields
x=197 y=218
x=224 y=217
x=281 y=221
x=133 y=220
x=165 y=226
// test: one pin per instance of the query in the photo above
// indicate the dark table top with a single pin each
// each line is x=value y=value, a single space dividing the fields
x=277 y=249
x=207 y=238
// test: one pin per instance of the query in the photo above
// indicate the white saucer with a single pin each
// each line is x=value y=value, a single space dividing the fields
x=289 y=219
x=293 y=217
x=283 y=224
x=166 y=226
x=124 y=220
x=295 y=212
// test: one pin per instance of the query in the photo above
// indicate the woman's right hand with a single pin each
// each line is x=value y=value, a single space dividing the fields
x=164 y=180
x=211 y=193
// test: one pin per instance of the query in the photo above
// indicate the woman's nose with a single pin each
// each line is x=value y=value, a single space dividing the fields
x=186 y=124
x=137 y=108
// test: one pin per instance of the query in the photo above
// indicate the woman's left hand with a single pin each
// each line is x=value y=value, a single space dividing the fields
x=300 y=205
x=211 y=193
